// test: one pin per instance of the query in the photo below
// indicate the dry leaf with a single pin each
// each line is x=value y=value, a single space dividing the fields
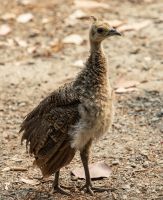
x=78 y=63
x=77 y=14
x=6 y=169
x=21 y=43
x=7 y=185
x=125 y=90
x=45 y=20
x=97 y=170
x=73 y=39
x=10 y=42
x=126 y=84
x=25 y=2
x=56 y=45
x=72 y=19
x=4 y=29
x=147 y=58
x=24 y=18
x=134 y=26
x=91 y=4
x=31 y=50
x=15 y=158
x=8 y=16
x=29 y=181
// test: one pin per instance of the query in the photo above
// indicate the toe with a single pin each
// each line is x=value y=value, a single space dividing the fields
x=58 y=189
x=88 y=189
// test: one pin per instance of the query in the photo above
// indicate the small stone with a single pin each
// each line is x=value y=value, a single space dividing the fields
x=133 y=165
x=160 y=114
x=6 y=169
x=115 y=162
x=147 y=58
x=22 y=104
x=146 y=164
x=124 y=197
x=78 y=63
x=4 y=29
x=73 y=39
x=24 y=18
x=160 y=162
x=82 y=192
x=144 y=152
x=161 y=129
x=154 y=119
x=137 y=191
x=126 y=187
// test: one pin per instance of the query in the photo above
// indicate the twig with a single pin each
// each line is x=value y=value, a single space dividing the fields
x=18 y=169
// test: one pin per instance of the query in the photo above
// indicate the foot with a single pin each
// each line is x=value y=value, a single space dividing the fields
x=58 y=189
x=90 y=189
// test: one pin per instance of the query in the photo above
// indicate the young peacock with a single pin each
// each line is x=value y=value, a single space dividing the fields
x=70 y=118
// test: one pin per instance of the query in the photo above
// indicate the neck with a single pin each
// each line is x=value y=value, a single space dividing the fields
x=97 y=60
x=95 y=72
x=95 y=46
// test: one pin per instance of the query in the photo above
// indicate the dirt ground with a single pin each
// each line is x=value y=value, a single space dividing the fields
x=34 y=61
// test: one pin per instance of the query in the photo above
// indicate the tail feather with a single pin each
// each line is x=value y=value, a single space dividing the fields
x=36 y=141
x=27 y=127
x=59 y=160
x=49 y=150
x=45 y=130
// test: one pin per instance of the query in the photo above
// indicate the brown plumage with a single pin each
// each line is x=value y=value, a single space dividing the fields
x=70 y=118
x=46 y=127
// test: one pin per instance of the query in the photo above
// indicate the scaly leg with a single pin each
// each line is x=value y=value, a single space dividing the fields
x=57 y=187
x=84 y=154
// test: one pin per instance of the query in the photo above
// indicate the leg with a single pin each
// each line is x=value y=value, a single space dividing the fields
x=84 y=154
x=85 y=157
x=56 y=185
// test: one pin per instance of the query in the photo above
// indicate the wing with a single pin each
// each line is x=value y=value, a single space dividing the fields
x=45 y=129
x=65 y=95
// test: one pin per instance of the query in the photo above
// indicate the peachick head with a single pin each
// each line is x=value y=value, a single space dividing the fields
x=101 y=30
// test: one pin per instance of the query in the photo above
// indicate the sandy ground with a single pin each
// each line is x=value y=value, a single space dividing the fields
x=34 y=61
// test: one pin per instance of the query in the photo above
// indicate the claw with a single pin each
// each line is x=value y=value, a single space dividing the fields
x=58 y=189
x=90 y=189
x=66 y=187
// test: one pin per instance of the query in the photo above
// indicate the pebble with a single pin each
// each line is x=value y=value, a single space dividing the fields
x=146 y=164
x=161 y=129
x=126 y=187
x=6 y=169
x=160 y=162
x=115 y=162
x=82 y=192
x=133 y=165
x=160 y=114
x=22 y=104
x=137 y=191
x=124 y=197
x=154 y=119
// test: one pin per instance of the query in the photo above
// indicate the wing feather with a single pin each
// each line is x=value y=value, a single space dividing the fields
x=46 y=128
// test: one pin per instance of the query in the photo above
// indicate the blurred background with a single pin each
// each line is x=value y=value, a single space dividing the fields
x=44 y=44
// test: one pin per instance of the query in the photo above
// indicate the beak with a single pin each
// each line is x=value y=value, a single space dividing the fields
x=113 y=31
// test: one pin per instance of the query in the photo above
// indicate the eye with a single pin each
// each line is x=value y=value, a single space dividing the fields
x=100 y=30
